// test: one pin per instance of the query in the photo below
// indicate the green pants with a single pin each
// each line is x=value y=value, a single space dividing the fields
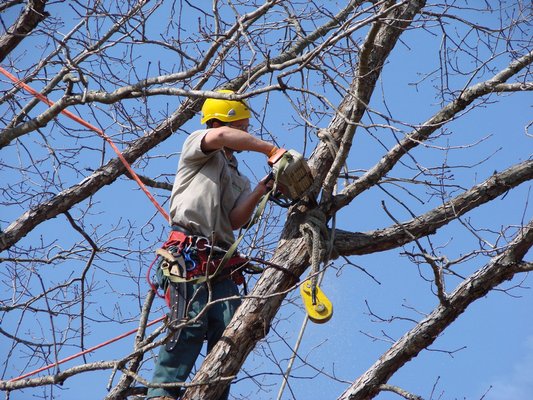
x=175 y=366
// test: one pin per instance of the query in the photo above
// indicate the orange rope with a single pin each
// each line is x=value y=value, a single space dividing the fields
x=81 y=353
x=101 y=133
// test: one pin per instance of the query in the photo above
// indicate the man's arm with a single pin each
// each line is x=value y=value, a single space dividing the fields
x=234 y=139
x=242 y=212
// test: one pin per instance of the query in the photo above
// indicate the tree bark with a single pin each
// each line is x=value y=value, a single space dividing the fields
x=355 y=243
x=28 y=20
x=253 y=318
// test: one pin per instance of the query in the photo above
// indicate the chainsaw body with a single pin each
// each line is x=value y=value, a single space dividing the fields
x=293 y=175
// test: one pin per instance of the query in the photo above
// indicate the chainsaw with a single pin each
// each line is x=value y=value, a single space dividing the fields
x=292 y=175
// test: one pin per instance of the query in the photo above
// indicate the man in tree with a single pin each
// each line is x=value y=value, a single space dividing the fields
x=210 y=199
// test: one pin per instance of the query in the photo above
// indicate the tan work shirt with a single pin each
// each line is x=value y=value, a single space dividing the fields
x=206 y=188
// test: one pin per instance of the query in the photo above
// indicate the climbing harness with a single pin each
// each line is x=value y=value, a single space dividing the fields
x=191 y=259
x=187 y=259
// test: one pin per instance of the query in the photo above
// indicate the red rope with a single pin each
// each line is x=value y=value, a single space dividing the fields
x=153 y=285
x=81 y=353
x=101 y=133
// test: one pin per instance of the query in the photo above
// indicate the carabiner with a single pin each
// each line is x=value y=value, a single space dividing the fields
x=190 y=264
x=201 y=243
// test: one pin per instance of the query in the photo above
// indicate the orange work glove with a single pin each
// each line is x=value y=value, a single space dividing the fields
x=275 y=154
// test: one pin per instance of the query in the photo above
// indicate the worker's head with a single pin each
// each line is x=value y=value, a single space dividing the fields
x=226 y=112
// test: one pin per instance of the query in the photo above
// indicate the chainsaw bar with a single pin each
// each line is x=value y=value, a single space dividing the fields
x=178 y=307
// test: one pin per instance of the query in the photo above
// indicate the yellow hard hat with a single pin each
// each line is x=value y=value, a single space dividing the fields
x=224 y=110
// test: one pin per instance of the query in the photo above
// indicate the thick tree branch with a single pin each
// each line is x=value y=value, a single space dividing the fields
x=28 y=20
x=500 y=269
x=129 y=92
x=412 y=140
x=513 y=87
x=385 y=239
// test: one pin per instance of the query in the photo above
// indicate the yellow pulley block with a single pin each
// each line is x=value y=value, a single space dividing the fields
x=322 y=310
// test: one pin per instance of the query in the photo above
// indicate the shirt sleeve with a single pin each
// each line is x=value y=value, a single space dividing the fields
x=192 y=152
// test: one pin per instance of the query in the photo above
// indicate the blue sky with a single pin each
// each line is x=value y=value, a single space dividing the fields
x=516 y=382
x=489 y=347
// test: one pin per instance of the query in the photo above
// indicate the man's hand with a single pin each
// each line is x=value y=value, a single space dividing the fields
x=294 y=176
x=265 y=184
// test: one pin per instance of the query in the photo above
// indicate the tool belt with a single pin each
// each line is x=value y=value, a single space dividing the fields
x=192 y=259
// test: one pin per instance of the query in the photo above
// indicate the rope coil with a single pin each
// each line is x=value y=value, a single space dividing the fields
x=316 y=235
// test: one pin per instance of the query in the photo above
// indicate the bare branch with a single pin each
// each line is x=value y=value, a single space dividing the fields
x=389 y=238
x=501 y=268
x=28 y=20
x=421 y=133
x=405 y=394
